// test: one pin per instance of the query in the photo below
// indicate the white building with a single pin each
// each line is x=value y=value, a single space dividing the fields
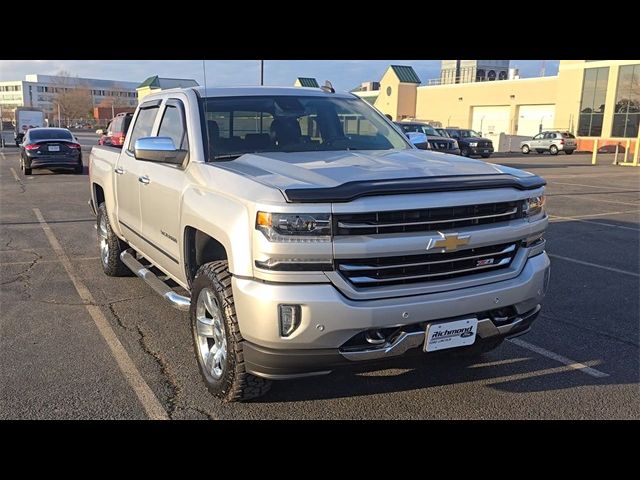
x=39 y=91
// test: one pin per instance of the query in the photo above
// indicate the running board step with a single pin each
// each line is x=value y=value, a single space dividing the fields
x=178 y=301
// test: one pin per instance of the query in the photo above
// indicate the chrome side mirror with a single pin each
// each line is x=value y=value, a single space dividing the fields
x=158 y=149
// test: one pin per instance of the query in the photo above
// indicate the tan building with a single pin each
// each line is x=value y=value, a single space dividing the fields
x=155 y=83
x=592 y=99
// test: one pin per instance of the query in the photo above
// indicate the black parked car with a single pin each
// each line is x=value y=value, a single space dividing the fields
x=436 y=141
x=50 y=148
x=471 y=142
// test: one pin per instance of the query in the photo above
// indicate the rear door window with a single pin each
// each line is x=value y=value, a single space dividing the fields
x=144 y=125
x=567 y=135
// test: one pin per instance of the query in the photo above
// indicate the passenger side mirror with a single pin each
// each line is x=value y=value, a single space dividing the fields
x=158 y=149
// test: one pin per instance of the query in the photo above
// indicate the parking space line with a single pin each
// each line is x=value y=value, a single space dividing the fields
x=149 y=401
x=581 y=367
x=578 y=217
x=589 y=264
x=81 y=259
x=15 y=175
x=594 y=199
x=585 y=185
x=612 y=225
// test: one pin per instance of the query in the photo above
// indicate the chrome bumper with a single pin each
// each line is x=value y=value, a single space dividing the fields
x=406 y=341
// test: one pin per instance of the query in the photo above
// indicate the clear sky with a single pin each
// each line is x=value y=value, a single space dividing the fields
x=344 y=74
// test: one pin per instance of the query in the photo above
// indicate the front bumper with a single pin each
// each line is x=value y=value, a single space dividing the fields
x=329 y=319
x=480 y=150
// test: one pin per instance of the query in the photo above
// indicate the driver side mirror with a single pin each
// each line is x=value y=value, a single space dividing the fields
x=159 y=150
x=418 y=139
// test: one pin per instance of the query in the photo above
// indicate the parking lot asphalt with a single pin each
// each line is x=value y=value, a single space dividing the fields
x=580 y=361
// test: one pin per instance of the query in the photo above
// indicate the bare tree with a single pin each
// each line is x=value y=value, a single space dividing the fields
x=73 y=98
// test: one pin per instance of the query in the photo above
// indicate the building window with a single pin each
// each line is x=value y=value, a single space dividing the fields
x=480 y=75
x=594 y=92
x=491 y=75
x=388 y=91
x=626 y=114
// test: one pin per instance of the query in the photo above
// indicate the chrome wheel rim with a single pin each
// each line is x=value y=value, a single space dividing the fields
x=211 y=339
x=102 y=238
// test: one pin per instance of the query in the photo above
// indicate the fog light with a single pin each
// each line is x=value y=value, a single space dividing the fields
x=289 y=317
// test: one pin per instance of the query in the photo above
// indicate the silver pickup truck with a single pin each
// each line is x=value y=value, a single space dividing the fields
x=303 y=233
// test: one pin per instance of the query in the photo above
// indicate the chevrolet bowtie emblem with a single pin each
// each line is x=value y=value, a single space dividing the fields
x=448 y=243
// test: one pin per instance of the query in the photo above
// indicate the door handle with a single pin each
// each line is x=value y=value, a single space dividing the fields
x=144 y=179
x=119 y=170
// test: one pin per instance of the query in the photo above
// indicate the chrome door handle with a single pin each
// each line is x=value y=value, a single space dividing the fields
x=144 y=179
x=119 y=170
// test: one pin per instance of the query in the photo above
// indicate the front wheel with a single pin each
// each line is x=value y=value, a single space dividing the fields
x=217 y=339
x=525 y=149
x=110 y=246
x=553 y=150
x=464 y=152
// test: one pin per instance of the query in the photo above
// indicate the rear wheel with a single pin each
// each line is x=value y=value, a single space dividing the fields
x=26 y=170
x=79 y=170
x=553 y=150
x=568 y=152
x=525 y=149
x=217 y=339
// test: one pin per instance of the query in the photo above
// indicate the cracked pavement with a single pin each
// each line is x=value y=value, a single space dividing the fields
x=55 y=365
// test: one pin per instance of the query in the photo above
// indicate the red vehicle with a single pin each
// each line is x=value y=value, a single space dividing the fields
x=117 y=130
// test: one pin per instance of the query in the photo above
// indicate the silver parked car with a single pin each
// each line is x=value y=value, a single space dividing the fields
x=552 y=142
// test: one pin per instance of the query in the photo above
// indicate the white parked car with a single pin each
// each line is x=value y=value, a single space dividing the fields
x=552 y=142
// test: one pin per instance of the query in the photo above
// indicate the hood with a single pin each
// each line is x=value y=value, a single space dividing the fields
x=475 y=139
x=298 y=171
x=438 y=138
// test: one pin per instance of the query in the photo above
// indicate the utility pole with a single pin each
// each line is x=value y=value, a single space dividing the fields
x=261 y=72
x=543 y=69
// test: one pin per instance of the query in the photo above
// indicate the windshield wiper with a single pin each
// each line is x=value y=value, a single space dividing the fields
x=228 y=156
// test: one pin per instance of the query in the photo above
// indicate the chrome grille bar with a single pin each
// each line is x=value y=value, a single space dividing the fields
x=366 y=280
x=429 y=222
x=346 y=267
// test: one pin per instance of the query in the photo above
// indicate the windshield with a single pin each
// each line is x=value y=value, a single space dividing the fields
x=50 y=134
x=416 y=127
x=239 y=125
x=469 y=133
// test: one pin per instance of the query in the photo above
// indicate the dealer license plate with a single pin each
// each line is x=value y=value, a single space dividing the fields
x=54 y=148
x=451 y=334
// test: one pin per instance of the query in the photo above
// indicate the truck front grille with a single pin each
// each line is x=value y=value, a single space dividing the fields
x=406 y=269
x=425 y=220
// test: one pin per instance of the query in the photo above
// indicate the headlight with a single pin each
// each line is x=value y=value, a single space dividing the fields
x=295 y=227
x=473 y=144
x=534 y=206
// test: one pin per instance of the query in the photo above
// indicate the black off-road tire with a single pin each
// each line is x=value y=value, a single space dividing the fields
x=235 y=384
x=113 y=266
